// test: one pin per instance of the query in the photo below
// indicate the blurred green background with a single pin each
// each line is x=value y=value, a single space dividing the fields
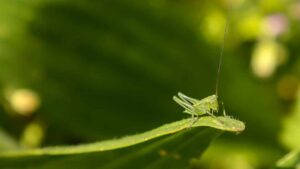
x=82 y=71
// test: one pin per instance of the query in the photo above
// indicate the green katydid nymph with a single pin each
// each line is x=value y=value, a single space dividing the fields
x=209 y=105
x=197 y=108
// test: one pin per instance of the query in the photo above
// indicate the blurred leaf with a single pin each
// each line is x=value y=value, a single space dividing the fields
x=171 y=145
x=290 y=135
x=236 y=154
x=291 y=160
x=7 y=142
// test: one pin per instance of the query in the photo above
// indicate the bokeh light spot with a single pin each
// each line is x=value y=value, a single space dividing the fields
x=24 y=101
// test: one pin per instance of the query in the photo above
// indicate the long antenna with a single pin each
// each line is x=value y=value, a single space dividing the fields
x=221 y=54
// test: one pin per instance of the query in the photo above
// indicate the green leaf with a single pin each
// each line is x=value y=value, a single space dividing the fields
x=171 y=145
x=291 y=160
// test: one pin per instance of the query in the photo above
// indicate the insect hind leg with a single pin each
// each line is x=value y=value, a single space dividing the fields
x=183 y=103
x=194 y=117
x=187 y=99
x=193 y=121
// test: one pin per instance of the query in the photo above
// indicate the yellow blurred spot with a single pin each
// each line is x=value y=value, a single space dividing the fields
x=24 y=101
x=162 y=153
x=32 y=135
x=287 y=87
x=176 y=156
x=266 y=57
x=213 y=26
x=249 y=25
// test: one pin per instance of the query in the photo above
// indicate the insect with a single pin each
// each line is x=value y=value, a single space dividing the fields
x=197 y=108
x=209 y=105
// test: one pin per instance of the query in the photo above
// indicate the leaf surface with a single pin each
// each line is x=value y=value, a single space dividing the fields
x=172 y=144
x=290 y=160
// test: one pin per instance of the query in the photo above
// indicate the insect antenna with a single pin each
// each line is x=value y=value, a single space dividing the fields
x=221 y=54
